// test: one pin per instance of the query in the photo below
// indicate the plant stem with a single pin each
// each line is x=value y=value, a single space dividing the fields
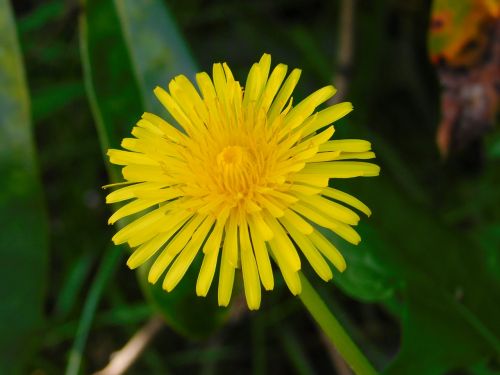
x=334 y=330
x=108 y=263
x=123 y=359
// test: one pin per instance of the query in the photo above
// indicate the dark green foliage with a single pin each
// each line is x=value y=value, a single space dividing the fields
x=23 y=242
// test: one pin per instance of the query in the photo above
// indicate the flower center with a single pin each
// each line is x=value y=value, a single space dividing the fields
x=236 y=172
x=231 y=156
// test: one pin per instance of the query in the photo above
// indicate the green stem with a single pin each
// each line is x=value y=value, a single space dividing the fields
x=334 y=330
x=106 y=268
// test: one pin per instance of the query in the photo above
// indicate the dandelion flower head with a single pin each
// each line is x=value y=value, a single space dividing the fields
x=242 y=178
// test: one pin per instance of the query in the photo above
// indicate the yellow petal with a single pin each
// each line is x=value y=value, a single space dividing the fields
x=207 y=272
x=328 y=116
x=260 y=225
x=146 y=130
x=297 y=221
x=137 y=225
x=306 y=107
x=136 y=173
x=186 y=257
x=311 y=214
x=226 y=278
x=132 y=208
x=283 y=197
x=251 y=280
x=168 y=224
x=147 y=233
x=312 y=255
x=304 y=189
x=147 y=250
x=284 y=94
x=282 y=244
x=324 y=156
x=120 y=157
x=310 y=179
x=152 y=128
x=173 y=108
x=161 y=194
x=346 y=198
x=345 y=231
x=220 y=82
x=214 y=240
x=346 y=145
x=160 y=265
x=185 y=104
x=265 y=67
x=342 y=169
x=253 y=85
x=184 y=235
x=130 y=191
x=231 y=242
x=193 y=97
x=270 y=206
x=262 y=257
x=356 y=155
x=272 y=87
x=331 y=209
x=166 y=128
x=291 y=277
x=206 y=86
x=173 y=248
x=313 y=141
x=328 y=250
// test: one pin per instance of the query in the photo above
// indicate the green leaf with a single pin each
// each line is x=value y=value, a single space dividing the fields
x=111 y=85
x=442 y=274
x=488 y=238
x=22 y=215
x=157 y=50
x=439 y=330
x=128 y=48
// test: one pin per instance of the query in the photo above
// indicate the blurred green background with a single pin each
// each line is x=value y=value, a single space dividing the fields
x=421 y=294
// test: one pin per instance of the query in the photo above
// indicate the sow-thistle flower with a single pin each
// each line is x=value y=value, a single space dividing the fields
x=242 y=178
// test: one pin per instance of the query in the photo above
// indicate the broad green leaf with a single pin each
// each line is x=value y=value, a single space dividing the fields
x=488 y=238
x=443 y=277
x=442 y=340
x=156 y=48
x=23 y=243
x=111 y=85
x=129 y=47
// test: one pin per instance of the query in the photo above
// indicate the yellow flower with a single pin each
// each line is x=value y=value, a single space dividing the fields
x=245 y=181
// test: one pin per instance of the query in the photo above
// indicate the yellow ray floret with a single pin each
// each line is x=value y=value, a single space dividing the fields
x=241 y=179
